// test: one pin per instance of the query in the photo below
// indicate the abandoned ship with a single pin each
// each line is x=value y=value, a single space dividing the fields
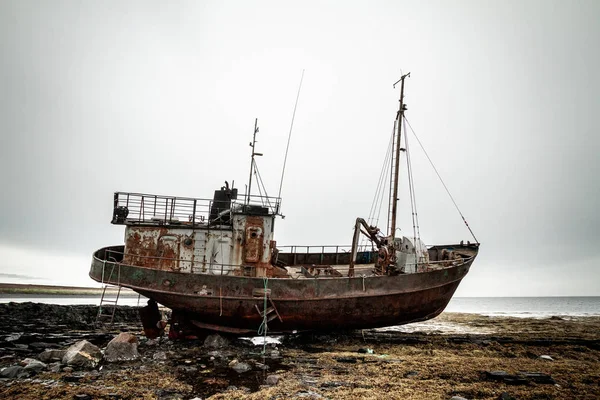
x=215 y=264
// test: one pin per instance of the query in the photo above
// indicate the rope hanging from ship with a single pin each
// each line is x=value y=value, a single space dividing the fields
x=263 y=328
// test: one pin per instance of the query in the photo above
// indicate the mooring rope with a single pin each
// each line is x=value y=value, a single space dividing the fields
x=221 y=279
x=262 y=329
x=221 y=301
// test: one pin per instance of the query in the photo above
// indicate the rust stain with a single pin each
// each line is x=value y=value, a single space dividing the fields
x=140 y=247
x=154 y=248
x=168 y=252
x=253 y=247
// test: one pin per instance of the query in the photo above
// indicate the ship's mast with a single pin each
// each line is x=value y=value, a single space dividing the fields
x=252 y=144
x=396 y=164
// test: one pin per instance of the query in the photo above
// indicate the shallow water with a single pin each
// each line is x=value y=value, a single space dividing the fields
x=124 y=300
x=526 y=307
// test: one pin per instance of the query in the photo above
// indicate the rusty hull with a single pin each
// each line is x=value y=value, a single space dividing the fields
x=228 y=303
x=147 y=244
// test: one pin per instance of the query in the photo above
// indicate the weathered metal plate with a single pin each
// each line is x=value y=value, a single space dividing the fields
x=326 y=303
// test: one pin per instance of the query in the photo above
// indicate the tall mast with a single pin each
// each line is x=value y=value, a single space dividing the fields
x=252 y=160
x=396 y=166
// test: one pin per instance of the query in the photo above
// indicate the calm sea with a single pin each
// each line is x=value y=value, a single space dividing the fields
x=526 y=306
x=127 y=300
x=508 y=306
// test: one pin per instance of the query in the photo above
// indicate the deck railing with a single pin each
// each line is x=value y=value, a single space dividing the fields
x=157 y=209
x=324 y=249
x=214 y=268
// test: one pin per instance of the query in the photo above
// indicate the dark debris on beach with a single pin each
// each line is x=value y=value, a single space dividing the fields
x=515 y=358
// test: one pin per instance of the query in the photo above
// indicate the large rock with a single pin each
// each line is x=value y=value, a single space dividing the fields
x=272 y=380
x=309 y=394
x=82 y=354
x=168 y=394
x=239 y=367
x=14 y=371
x=49 y=355
x=33 y=365
x=54 y=367
x=125 y=337
x=13 y=337
x=215 y=341
x=122 y=348
x=538 y=377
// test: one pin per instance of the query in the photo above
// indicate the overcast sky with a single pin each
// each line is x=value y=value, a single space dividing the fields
x=161 y=97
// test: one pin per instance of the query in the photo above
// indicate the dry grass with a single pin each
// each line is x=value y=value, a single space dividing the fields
x=435 y=368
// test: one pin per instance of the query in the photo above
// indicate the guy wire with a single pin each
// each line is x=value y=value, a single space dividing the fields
x=290 y=135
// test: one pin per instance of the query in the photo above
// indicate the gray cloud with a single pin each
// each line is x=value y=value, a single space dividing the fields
x=161 y=98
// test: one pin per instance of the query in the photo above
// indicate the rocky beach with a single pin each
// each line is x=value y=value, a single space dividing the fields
x=58 y=352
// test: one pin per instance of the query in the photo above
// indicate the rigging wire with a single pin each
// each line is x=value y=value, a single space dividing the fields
x=442 y=181
x=261 y=183
x=387 y=167
x=382 y=178
x=410 y=190
x=380 y=190
x=413 y=199
x=260 y=195
x=290 y=135
x=394 y=159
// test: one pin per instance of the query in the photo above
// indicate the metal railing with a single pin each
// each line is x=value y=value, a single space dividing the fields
x=325 y=249
x=158 y=209
x=218 y=268
x=177 y=264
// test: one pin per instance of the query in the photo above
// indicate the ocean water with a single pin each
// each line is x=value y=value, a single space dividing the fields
x=526 y=307
x=124 y=300
x=520 y=307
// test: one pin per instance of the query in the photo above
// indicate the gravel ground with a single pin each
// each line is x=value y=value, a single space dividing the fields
x=465 y=355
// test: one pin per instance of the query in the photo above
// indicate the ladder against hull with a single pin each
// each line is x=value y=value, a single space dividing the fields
x=108 y=306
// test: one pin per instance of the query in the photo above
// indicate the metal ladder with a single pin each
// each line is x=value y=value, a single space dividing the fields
x=103 y=300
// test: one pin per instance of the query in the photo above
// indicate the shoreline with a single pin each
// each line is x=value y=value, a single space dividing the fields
x=53 y=290
x=486 y=358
